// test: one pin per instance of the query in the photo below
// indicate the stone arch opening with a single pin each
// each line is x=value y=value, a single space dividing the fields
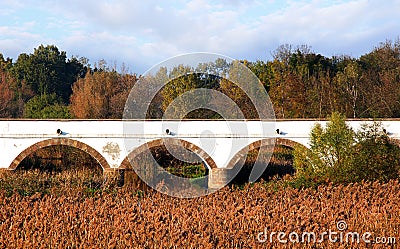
x=262 y=143
x=178 y=142
x=60 y=141
x=278 y=155
x=132 y=178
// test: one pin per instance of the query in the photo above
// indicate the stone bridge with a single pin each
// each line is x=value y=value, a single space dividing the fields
x=220 y=144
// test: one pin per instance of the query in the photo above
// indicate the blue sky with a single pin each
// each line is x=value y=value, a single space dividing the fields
x=141 y=33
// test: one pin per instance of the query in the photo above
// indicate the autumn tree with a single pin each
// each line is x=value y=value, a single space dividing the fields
x=348 y=81
x=6 y=95
x=180 y=100
x=243 y=88
x=13 y=94
x=5 y=64
x=380 y=79
x=101 y=95
x=293 y=71
x=212 y=90
x=263 y=70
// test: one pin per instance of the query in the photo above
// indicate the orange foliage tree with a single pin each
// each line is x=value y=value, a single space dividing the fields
x=12 y=95
x=6 y=94
x=101 y=94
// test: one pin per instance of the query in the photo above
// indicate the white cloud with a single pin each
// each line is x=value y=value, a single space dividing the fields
x=142 y=33
x=341 y=28
x=16 y=40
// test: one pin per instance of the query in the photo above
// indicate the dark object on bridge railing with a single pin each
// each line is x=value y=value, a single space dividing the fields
x=59 y=132
x=169 y=132
x=279 y=132
x=386 y=132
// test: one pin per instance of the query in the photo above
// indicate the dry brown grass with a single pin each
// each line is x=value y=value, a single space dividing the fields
x=75 y=208
x=230 y=218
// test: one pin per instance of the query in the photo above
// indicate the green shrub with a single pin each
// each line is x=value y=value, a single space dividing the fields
x=338 y=154
x=376 y=157
x=46 y=106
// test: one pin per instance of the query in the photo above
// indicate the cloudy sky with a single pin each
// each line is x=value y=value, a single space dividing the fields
x=141 y=33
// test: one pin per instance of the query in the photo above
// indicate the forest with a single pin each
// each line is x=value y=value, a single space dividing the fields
x=301 y=83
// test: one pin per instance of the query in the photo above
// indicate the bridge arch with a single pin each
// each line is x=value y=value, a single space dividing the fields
x=262 y=143
x=174 y=141
x=60 y=141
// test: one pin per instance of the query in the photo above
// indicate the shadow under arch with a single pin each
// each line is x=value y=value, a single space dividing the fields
x=173 y=141
x=60 y=141
x=262 y=143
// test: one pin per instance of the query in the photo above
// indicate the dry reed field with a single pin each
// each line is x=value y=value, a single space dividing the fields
x=247 y=217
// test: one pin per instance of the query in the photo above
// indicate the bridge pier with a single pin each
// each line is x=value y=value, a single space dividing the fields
x=123 y=178
x=129 y=178
x=219 y=177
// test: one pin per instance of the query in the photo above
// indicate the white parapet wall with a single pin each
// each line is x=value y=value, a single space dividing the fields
x=111 y=141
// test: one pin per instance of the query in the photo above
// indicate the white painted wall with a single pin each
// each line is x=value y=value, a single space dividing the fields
x=220 y=139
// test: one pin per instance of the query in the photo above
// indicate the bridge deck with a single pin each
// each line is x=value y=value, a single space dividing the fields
x=113 y=140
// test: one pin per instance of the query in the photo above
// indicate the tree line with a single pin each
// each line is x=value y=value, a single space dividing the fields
x=300 y=82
